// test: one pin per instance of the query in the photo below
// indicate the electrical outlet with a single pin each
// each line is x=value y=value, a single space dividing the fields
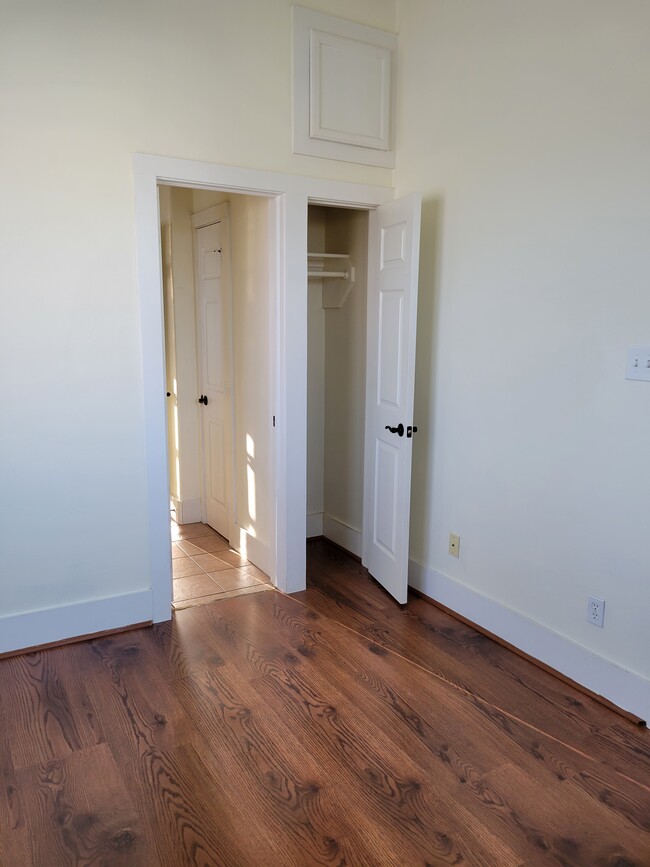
x=596 y=611
x=454 y=545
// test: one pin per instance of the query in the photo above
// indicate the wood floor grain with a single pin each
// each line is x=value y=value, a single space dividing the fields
x=328 y=728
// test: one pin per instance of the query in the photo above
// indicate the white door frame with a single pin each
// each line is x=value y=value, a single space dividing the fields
x=292 y=194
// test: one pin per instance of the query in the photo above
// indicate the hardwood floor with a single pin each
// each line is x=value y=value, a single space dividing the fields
x=331 y=727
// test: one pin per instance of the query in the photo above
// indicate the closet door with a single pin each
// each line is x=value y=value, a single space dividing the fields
x=393 y=250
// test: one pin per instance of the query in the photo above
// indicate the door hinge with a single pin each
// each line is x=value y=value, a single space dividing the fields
x=273 y=421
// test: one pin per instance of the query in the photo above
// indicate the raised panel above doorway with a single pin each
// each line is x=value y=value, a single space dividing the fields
x=343 y=89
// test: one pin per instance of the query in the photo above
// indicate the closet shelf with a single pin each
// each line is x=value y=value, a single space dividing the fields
x=336 y=284
x=343 y=275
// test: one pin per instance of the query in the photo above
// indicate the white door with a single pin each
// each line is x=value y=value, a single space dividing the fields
x=393 y=251
x=215 y=364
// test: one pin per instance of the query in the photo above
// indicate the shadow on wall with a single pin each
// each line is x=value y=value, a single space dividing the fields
x=425 y=373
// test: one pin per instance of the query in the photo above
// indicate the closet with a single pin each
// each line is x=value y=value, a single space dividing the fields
x=336 y=376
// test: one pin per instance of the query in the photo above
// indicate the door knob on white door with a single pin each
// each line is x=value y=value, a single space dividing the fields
x=399 y=430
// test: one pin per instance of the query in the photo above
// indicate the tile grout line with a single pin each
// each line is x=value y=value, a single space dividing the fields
x=209 y=533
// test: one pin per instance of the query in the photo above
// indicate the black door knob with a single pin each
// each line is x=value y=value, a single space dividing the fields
x=399 y=430
x=203 y=399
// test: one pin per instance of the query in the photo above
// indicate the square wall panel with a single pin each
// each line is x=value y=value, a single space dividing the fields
x=350 y=91
x=343 y=89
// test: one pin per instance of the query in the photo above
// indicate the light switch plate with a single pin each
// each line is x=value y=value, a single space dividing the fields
x=638 y=363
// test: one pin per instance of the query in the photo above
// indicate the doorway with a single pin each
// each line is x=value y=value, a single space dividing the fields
x=217 y=297
x=289 y=196
x=337 y=289
x=362 y=357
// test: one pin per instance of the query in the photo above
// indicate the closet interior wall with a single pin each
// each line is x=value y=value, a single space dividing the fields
x=336 y=383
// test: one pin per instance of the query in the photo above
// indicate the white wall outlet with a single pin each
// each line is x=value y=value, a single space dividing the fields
x=454 y=545
x=638 y=363
x=596 y=611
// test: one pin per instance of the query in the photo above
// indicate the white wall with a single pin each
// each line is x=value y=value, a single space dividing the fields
x=526 y=128
x=82 y=87
x=250 y=232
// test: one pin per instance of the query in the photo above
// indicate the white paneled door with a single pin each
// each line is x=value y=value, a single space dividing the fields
x=393 y=251
x=213 y=321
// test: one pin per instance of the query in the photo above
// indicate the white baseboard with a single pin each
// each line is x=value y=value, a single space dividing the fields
x=32 y=628
x=188 y=511
x=314 y=525
x=178 y=508
x=624 y=688
x=343 y=534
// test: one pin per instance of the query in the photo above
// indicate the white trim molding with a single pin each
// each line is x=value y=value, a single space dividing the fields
x=314 y=525
x=626 y=689
x=187 y=511
x=343 y=534
x=61 y=622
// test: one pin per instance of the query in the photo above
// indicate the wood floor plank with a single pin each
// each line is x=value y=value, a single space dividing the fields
x=386 y=779
x=632 y=741
x=464 y=757
x=14 y=841
x=152 y=740
x=453 y=650
x=593 y=780
x=283 y=668
x=50 y=701
x=564 y=836
x=333 y=728
x=208 y=689
x=282 y=791
x=84 y=812
x=627 y=749
x=178 y=647
x=514 y=675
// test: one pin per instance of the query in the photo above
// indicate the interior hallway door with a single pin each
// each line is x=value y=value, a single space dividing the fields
x=213 y=293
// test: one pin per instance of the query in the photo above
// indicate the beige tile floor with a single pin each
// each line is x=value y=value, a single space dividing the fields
x=206 y=568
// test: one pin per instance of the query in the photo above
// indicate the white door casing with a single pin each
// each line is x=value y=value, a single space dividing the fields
x=393 y=254
x=214 y=347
